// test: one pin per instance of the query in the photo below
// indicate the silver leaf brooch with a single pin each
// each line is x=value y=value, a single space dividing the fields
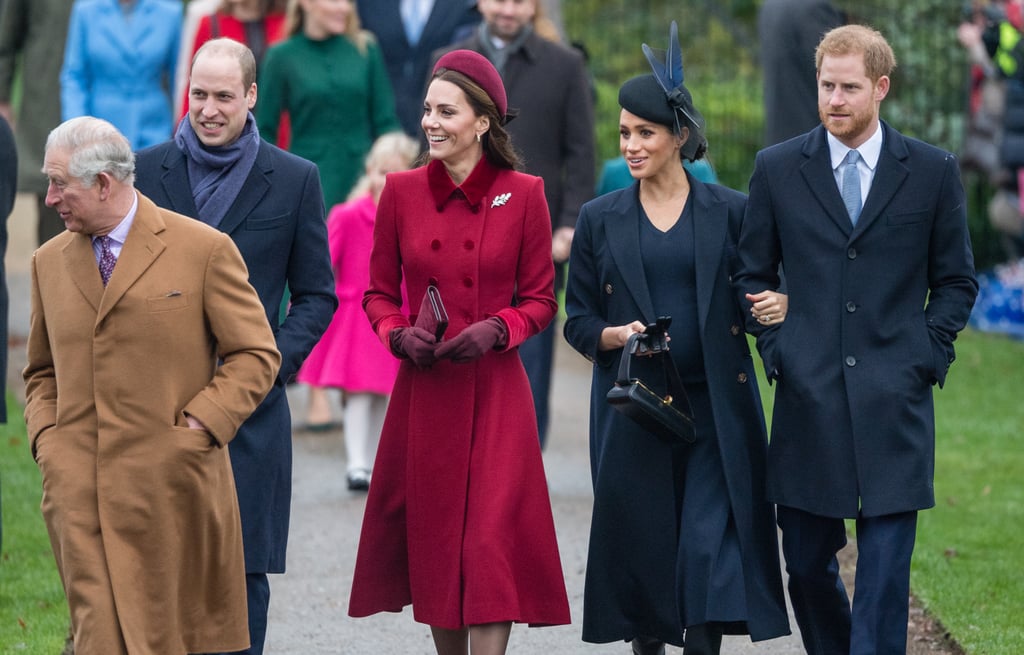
x=500 y=200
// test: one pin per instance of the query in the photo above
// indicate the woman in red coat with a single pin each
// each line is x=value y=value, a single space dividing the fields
x=458 y=520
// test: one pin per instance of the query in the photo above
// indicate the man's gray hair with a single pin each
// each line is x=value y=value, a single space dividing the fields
x=95 y=147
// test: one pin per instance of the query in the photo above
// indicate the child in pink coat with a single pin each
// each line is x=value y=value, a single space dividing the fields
x=349 y=355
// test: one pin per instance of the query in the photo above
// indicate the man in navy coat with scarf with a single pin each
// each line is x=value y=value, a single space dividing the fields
x=217 y=169
x=870 y=229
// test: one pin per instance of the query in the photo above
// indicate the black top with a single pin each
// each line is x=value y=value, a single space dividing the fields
x=670 y=268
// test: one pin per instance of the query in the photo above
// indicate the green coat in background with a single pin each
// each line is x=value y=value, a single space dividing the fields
x=338 y=99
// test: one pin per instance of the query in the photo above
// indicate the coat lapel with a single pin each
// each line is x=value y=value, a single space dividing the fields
x=80 y=261
x=710 y=222
x=817 y=172
x=176 y=184
x=255 y=187
x=889 y=176
x=622 y=224
x=141 y=248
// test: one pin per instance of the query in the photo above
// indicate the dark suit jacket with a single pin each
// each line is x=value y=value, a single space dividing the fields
x=789 y=32
x=277 y=222
x=554 y=130
x=607 y=286
x=409 y=65
x=873 y=312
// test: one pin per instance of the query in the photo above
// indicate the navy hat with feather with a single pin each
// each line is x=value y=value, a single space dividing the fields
x=663 y=98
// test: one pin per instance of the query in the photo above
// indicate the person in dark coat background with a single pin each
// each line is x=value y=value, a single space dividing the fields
x=788 y=31
x=870 y=228
x=8 y=190
x=682 y=537
x=407 y=44
x=547 y=84
x=277 y=222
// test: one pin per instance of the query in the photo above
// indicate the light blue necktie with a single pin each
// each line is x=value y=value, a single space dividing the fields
x=851 y=185
x=414 y=20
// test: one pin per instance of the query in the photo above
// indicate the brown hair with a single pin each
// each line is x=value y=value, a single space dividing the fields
x=879 y=59
x=295 y=18
x=496 y=141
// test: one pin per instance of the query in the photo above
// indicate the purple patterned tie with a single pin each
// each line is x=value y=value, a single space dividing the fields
x=107 y=259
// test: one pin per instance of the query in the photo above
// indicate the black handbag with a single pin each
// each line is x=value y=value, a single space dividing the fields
x=667 y=417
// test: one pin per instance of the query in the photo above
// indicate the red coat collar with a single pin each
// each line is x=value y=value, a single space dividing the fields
x=473 y=189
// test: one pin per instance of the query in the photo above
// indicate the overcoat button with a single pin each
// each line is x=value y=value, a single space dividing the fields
x=734 y=330
x=433 y=281
x=851 y=307
x=851 y=253
x=851 y=360
x=467 y=282
x=435 y=244
x=468 y=245
x=742 y=378
x=608 y=289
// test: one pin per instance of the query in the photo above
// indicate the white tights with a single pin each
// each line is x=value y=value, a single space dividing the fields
x=364 y=418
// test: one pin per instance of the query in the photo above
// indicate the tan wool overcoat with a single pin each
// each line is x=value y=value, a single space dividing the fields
x=141 y=510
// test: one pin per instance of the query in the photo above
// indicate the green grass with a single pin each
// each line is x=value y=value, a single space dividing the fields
x=970 y=547
x=967 y=564
x=33 y=614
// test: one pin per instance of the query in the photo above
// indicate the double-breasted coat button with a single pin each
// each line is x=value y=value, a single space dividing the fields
x=608 y=289
x=467 y=282
x=851 y=307
x=742 y=378
x=468 y=245
x=851 y=360
x=435 y=245
x=851 y=253
x=432 y=280
x=734 y=330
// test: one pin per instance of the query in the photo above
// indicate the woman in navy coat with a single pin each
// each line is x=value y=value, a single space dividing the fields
x=682 y=538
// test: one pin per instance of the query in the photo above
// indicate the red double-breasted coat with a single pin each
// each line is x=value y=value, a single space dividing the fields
x=458 y=520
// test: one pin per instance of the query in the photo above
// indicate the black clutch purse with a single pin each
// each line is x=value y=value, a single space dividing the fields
x=432 y=316
x=667 y=417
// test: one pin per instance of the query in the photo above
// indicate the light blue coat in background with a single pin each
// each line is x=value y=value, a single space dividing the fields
x=120 y=66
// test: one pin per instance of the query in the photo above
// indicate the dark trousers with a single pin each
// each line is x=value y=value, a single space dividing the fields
x=537 y=354
x=877 y=622
x=257 y=588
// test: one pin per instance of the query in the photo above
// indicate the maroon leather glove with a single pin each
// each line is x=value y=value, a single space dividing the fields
x=414 y=343
x=474 y=341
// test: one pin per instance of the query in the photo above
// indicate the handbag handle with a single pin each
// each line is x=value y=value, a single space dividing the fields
x=676 y=391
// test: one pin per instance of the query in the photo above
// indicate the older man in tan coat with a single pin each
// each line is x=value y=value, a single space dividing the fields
x=136 y=381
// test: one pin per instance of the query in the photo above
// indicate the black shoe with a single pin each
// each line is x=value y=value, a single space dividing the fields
x=358 y=480
x=648 y=646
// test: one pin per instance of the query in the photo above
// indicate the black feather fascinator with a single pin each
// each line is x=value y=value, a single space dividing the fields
x=667 y=67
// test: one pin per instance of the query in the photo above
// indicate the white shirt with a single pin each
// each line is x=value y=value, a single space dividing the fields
x=869 y=151
x=119 y=233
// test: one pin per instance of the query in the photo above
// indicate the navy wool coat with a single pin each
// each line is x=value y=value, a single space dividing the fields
x=631 y=469
x=277 y=222
x=873 y=312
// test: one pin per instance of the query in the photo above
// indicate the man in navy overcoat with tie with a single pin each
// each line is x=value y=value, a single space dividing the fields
x=870 y=229
x=217 y=169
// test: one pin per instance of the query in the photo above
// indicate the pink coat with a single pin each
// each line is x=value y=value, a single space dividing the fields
x=458 y=520
x=349 y=355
